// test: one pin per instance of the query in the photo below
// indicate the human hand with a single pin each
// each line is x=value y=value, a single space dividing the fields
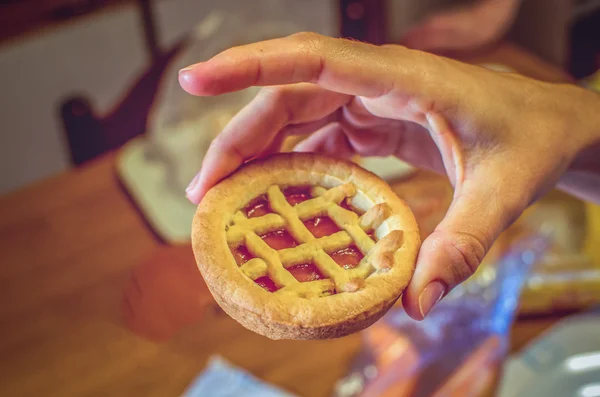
x=502 y=139
x=465 y=28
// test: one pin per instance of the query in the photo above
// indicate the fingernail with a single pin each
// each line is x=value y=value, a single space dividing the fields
x=193 y=183
x=188 y=68
x=430 y=296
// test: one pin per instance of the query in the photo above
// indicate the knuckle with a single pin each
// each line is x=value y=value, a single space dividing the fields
x=308 y=40
x=275 y=93
x=311 y=48
x=223 y=144
x=278 y=97
x=466 y=252
x=460 y=254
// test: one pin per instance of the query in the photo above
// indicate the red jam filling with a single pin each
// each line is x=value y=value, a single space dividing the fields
x=297 y=194
x=346 y=205
x=321 y=226
x=305 y=272
x=241 y=254
x=371 y=235
x=348 y=257
x=258 y=207
x=266 y=283
x=279 y=239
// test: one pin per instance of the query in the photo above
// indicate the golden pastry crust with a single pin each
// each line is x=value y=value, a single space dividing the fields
x=305 y=310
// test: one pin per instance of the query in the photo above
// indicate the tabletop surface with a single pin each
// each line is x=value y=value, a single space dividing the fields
x=70 y=247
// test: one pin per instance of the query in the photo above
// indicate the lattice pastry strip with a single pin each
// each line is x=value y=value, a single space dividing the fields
x=339 y=275
x=236 y=233
x=324 y=200
x=311 y=249
x=295 y=226
x=328 y=202
x=255 y=268
x=315 y=251
x=296 y=255
x=275 y=269
x=349 y=221
x=311 y=289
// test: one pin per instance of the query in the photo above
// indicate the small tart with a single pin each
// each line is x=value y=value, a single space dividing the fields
x=304 y=246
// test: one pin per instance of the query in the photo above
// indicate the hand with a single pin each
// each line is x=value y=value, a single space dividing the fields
x=502 y=139
x=466 y=28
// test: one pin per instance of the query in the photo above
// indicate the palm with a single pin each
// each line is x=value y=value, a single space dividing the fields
x=364 y=127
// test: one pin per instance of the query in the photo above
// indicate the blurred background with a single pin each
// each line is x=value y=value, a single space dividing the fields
x=100 y=294
x=91 y=56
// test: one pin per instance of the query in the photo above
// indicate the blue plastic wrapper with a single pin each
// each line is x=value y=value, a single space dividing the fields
x=220 y=379
x=458 y=350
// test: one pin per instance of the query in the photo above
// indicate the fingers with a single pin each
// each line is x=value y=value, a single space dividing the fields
x=255 y=129
x=378 y=138
x=482 y=207
x=339 y=65
x=330 y=139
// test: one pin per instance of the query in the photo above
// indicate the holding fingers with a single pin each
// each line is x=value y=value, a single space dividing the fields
x=502 y=139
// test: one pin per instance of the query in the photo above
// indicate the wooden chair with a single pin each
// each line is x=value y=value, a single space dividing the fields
x=89 y=134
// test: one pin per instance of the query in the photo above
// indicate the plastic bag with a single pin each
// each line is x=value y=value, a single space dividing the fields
x=458 y=349
x=567 y=278
x=222 y=379
x=181 y=126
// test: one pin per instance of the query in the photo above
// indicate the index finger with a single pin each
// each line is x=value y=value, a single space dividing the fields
x=339 y=65
x=257 y=127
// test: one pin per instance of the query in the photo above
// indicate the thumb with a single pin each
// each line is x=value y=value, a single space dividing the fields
x=481 y=209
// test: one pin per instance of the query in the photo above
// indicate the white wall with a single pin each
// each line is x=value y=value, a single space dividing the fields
x=98 y=56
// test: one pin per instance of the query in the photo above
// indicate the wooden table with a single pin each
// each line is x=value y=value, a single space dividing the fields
x=68 y=246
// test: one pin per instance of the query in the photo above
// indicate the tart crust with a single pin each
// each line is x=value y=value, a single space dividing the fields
x=291 y=312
